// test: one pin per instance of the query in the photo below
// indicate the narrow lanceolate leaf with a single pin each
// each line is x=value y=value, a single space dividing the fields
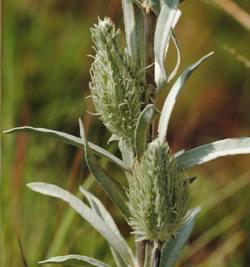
x=88 y=214
x=205 y=153
x=102 y=212
x=134 y=28
x=112 y=188
x=118 y=259
x=162 y=34
x=75 y=260
x=172 y=249
x=171 y=98
x=71 y=140
x=142 y=128
x=178 y=53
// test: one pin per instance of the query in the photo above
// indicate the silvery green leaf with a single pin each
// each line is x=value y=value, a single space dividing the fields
x=72 y=140
x=178 y=52
x=127 y=153
x=172 y=249
x=118 y=259
x=102 y=212
x=74 y=259
x=88 y=214
x=205 y=153
x=171 y=98
x=112 y=188
x=162 y=34
x=142 y=128
x=134 y=28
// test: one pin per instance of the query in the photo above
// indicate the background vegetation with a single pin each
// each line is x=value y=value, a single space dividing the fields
x=45 y=81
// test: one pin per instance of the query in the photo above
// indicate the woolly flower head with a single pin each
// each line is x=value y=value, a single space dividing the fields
x=117 y=84
x=157 y=194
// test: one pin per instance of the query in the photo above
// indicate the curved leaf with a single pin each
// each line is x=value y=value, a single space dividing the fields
x=115 y=241
x=71 y=140
x=112 y=188
x=74 y=259
x=172 y=249
x=178 y=52
x=142 y=128
x=205 y=153
x=164 y=25
x=171 y=98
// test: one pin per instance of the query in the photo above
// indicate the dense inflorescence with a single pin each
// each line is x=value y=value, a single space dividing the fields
x=117 y=84
x=158 y=194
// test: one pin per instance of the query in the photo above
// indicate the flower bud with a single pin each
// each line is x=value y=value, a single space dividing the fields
x=157 y=194
x=116 y=84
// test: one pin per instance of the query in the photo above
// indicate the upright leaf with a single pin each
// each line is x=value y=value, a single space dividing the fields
x=75 y=260
x=205 y=153
x=172 y=249
x=178 y=61
x=134 y=28
x=162 y=34
x=171 y=98
x=115 y=241
x=71 y=140
x=142 y=128
x=112 y=188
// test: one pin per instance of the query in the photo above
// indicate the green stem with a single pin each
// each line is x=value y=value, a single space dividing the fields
x=149 y=26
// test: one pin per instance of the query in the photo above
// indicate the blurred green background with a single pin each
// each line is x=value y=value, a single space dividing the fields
x=45 y=82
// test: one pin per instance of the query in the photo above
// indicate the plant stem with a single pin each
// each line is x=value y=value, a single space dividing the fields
x=149 y=26
x=140 y=252
x=156 y=256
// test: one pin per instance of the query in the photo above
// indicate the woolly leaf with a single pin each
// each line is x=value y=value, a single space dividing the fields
x=134 y=28
x=71 y=140
x=112 y=188
x=205 y=153
x=118 y=259
x=74 y=259
x=115 y=241
x=172 y=249
x=178 y=61
x=102 y=212
x=142 y=128
x=162 y=34
x=171 y=98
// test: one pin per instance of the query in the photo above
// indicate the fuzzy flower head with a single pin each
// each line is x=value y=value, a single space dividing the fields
x=157 y=194
x=116 y=84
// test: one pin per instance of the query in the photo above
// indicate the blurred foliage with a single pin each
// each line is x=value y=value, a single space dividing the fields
x=45 y=82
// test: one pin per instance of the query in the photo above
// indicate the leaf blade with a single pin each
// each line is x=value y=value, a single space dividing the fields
x=171 y=249
x=162 y=34
x=142 y=128
x=134 y=29
x=71 y=140
x=74 y=259
x=171 y=98
x=208 y=152
x=112 y=188
x=88 y=214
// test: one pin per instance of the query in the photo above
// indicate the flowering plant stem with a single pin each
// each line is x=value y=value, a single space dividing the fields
x=150 y=24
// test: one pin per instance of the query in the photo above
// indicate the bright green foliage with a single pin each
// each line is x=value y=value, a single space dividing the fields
x=116 y=85
x=157 y=195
